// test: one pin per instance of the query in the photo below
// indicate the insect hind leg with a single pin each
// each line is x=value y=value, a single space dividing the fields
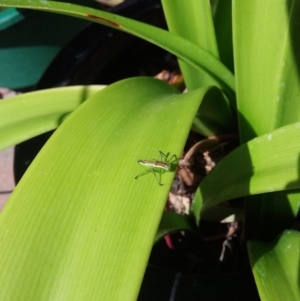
x=144 y=173
x=157 y=180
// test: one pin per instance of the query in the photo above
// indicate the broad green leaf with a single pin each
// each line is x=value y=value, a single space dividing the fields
x=275 y=266
x=196 y=25
x=31 y=114
x=266 y=50
x=78 y=225
x=177 y=45
x=250 y=169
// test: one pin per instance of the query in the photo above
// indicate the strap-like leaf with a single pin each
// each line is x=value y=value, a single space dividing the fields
x=264 y=164
x=31 y=114
x=275 y=266
x=177 y=45
x=79 y=226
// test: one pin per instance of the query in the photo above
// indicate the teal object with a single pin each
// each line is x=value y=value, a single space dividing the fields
x=29 y=41
x=9 y=16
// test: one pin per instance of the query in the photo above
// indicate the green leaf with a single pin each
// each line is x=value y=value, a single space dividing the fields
x=266 y=49
x=216 y=213
x=267 y=56
x=31 y=114
x=179 y=46
x=223 y=29
x=78 y=225
x=215 y=115
x=250 y=169
x=275 y=267
x=196 y=25
x=172 y=222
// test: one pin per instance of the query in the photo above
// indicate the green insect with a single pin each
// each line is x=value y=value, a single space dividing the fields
x=159 y=167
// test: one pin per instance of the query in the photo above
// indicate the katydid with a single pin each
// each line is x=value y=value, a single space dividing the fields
x=159 y=167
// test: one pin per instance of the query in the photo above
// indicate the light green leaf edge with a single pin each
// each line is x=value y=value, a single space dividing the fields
x=28 y=115
x=264 y=164
x=78 y=225
x=179 y=46
x=275 y=266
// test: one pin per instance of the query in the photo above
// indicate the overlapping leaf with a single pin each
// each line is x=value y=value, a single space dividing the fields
x=275 y=266
x=78 y=223
x=31 y=114
x=266 y=51
x=250 y=169
x=177 y=45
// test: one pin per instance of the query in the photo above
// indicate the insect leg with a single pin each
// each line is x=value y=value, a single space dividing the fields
x=173 y=159
x=163 y=157
x=144 y=173
x=158 y=180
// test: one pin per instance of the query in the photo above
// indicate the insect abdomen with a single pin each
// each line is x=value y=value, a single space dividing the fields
x=155 y=164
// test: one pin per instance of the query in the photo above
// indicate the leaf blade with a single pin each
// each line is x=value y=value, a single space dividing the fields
x=31 y=114
x=195 y=25
x=64 y=212
x=275 y=266
x=179 y=46
x=250 y=169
